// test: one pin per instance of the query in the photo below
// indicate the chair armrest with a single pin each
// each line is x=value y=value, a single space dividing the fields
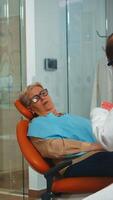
x=49 y=175
x=54 y=170
x=67 y=162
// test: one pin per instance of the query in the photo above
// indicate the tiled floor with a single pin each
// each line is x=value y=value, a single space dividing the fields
x=15 y=185
x=13 y=197
x=63 y=197
x=13 y=181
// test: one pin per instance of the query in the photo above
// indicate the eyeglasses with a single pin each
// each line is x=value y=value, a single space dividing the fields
x=37 y=97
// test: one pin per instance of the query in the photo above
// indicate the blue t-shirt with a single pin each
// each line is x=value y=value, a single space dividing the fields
x=66 y=126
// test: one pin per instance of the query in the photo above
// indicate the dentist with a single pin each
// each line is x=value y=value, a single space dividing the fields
x=102 y=118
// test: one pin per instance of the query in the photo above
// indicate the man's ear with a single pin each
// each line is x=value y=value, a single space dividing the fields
x=31 y=110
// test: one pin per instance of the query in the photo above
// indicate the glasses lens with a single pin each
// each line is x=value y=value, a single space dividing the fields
x=44 y=92
x=35 y=98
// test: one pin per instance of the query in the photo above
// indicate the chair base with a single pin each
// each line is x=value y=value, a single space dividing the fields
x=48 y=196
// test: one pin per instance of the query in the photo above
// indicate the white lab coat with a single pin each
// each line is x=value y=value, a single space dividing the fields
x=103 y=84
x=102 y=125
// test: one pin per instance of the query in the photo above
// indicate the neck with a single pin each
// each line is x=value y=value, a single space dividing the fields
x=55 y=112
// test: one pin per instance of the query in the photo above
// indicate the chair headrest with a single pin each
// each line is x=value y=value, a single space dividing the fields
x=23 y=110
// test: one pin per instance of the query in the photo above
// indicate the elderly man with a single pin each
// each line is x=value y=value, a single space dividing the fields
x=58 y=135
x=102 y=120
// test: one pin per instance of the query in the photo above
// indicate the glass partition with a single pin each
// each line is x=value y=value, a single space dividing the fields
x=12 y=77
x=74 y=26
x=86 y=20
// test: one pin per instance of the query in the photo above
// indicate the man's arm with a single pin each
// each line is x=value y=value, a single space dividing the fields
x=59 y=148
x=102 y=124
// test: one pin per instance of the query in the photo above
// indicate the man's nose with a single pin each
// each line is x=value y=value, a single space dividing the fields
x=42 y=97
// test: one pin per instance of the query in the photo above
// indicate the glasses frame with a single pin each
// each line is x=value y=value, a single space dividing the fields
x=37 y=97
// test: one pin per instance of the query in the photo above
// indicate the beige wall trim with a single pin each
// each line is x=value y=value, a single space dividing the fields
x=35 y=193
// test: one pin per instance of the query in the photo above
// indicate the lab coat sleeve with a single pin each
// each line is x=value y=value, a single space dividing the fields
x=107 y=136
x=103 y=84
x=102 y=125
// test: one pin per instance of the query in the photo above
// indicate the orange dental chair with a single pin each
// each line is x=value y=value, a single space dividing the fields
x=40 y=164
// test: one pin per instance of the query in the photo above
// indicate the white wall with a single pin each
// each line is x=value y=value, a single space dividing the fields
x=45 y=38
x=36 y=181
x=30 y=40
x=50 y=25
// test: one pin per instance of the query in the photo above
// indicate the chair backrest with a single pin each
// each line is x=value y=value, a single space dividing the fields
x=24 y=111
x=30 y=153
